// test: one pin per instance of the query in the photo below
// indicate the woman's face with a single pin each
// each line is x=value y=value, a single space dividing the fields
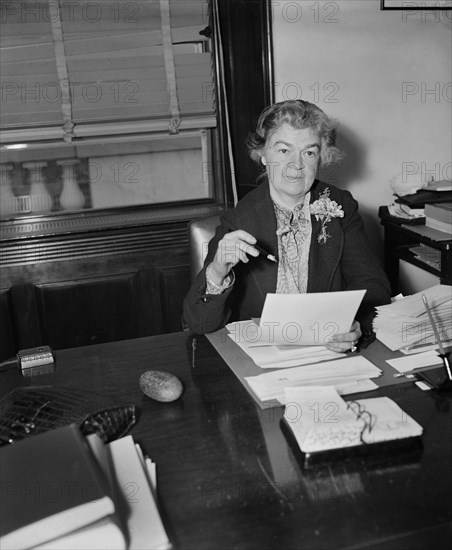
x=291 y=158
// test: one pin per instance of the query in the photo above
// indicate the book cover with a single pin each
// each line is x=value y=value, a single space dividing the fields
x=441 y=185
x=439 y=211
x=109 y=533
x=104 y=534
x=423 y=197
x=51 y=485
x=439 y=226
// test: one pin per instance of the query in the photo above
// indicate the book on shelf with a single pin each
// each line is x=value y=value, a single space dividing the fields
x=325 y=427
x=439 y=226
x=441 y=211
x=439 y=216
x=423 y=197
x=52 y=485
x=440 y=185
x=403 y=211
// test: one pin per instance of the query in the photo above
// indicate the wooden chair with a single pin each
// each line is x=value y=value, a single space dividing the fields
x=200 y=231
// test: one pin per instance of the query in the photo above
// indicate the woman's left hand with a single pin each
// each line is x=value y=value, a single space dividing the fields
x=347 y=340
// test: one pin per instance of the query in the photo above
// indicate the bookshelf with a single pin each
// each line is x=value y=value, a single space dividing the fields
x=401 y=239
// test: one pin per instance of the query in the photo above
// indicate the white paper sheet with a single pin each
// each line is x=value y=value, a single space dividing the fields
x=418 y=360
x=246 y=335
x=271 y=385
x=308 y=319
x=342 y=388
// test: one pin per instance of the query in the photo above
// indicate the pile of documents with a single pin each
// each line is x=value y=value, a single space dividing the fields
x=347 y=375
x=290 y=338
x=246 y=334
x=404 y=325
x=294 y=328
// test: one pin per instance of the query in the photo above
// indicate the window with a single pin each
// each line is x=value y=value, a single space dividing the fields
x=105 y=104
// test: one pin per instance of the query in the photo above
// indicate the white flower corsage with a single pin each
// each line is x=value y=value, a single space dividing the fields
x=324 y=209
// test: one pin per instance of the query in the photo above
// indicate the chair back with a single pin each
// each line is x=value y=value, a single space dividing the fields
x=200 y=231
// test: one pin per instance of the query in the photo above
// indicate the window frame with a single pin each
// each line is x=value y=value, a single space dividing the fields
x=256 y=15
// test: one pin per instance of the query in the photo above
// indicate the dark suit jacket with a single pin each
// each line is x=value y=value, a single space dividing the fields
x=344 y=262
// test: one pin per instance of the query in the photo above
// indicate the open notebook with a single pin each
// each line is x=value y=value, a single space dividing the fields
x=323 y=423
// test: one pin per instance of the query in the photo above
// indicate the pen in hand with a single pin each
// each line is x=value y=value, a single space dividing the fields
x=261 y=250
x=265 y=253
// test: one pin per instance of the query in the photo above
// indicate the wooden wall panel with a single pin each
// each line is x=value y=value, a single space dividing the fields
x=174 y=284
x=7 y=337
x=25 y=317
x=95 y=295
x=92 y=311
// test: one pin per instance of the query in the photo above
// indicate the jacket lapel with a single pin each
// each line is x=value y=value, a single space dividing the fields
x=260 y=221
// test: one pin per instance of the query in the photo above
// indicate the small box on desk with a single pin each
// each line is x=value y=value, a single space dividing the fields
x=386 y=453
x=35 y=361
x=375 y=429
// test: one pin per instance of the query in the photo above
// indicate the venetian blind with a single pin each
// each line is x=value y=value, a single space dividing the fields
x=121 y=67
x=30 y=88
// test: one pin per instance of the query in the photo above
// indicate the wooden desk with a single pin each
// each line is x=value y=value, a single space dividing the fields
x=227 y=477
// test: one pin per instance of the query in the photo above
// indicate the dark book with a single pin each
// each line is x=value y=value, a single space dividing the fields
x=52 y=485
x=423 y=197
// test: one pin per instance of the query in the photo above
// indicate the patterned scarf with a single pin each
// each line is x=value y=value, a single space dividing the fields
x=294 y=239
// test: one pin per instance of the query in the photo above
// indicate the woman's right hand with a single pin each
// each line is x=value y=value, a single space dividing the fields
x=233 y=248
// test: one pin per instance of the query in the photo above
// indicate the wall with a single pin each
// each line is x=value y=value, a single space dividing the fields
x=385 y=76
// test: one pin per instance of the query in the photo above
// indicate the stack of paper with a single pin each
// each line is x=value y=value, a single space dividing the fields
x=404 y=325
x=246 y=334
x=347 y=375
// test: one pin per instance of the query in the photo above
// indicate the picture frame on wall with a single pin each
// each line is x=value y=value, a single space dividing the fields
x=416 y=4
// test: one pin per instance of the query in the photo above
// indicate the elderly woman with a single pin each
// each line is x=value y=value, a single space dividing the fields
x=313 y=229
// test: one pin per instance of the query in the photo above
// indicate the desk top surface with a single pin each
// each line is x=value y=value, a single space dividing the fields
x=227 y=476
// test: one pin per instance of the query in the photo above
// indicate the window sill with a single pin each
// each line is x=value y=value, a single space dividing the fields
x=60 y=224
